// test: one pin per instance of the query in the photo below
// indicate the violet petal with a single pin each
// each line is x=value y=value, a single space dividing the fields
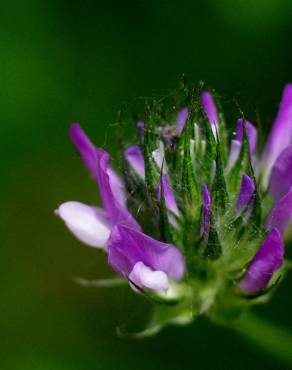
x=110 y=185
x=251 y=132
x=135 y=158
x=211 y=111
x=181 y=120
x=85 y=148
x=246 y=193
x=113 y=203
x=268 y=259
x=281 y=174
x=281 y=215
x=281 y=134
x=170 y=202
x=127 y=247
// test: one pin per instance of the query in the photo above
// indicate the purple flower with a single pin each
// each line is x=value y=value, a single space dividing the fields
x=89 y=224
x=268 y=259
x=281 y=134
x=146 y=262
x=206 y=216
x=281 y=214
x=156 y=268
x=281 y=174
x=211 y=111
x=181 y=120
x=135 y=158
x=246 y=193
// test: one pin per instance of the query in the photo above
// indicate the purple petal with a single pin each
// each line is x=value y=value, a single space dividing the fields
x=281 y=174
x=143 y=277
x=88 y=224
x=112 y=200
x=246 y=193
x=127 y=247
x=110 y=185
x=251 y=132
x=210 y=110
x=135 y=158
x=281 y=134
x=206 y=217
x=85 y=148
x=181 y=120
x=267 y=260
x=281 y=215
x=170 y=202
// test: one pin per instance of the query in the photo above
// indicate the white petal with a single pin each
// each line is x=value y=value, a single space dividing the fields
x=144 y=277
x=234 y=153
x=88 y=224
x=117 y=187
x=158 y=156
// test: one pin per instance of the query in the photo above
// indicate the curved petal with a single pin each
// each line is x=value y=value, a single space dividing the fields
x=267 y=260
x=246 y=193
x=135 y=158
x=251 y=132
x=211 y=111
x=117 y=187
x=281 y=215
x=143 y=277
x=281 y=134
x=281 y=175
x=110 y=185
x=181 y=120
x=88 y=224
x=112 y=199
x=85 y=148
x=127 y=247
x=170 y=202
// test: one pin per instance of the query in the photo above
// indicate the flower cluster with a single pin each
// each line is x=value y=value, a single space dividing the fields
x=197 y=218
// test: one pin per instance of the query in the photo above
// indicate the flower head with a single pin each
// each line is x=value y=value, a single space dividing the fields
x=187 y=219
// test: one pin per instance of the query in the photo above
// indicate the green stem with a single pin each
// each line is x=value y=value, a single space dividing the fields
x=271 y=338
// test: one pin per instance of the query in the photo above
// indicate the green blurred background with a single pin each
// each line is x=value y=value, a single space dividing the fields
x=64 y=61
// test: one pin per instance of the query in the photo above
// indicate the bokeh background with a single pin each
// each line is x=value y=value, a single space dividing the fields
x=79 y=60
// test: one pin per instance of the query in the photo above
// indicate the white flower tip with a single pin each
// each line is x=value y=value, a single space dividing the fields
x=145 y=277
x=88 y=224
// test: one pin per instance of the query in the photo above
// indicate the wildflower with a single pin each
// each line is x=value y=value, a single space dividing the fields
x=135 y=256
x=197 y=216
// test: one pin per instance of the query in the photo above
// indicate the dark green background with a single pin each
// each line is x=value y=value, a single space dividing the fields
x=64 y=61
